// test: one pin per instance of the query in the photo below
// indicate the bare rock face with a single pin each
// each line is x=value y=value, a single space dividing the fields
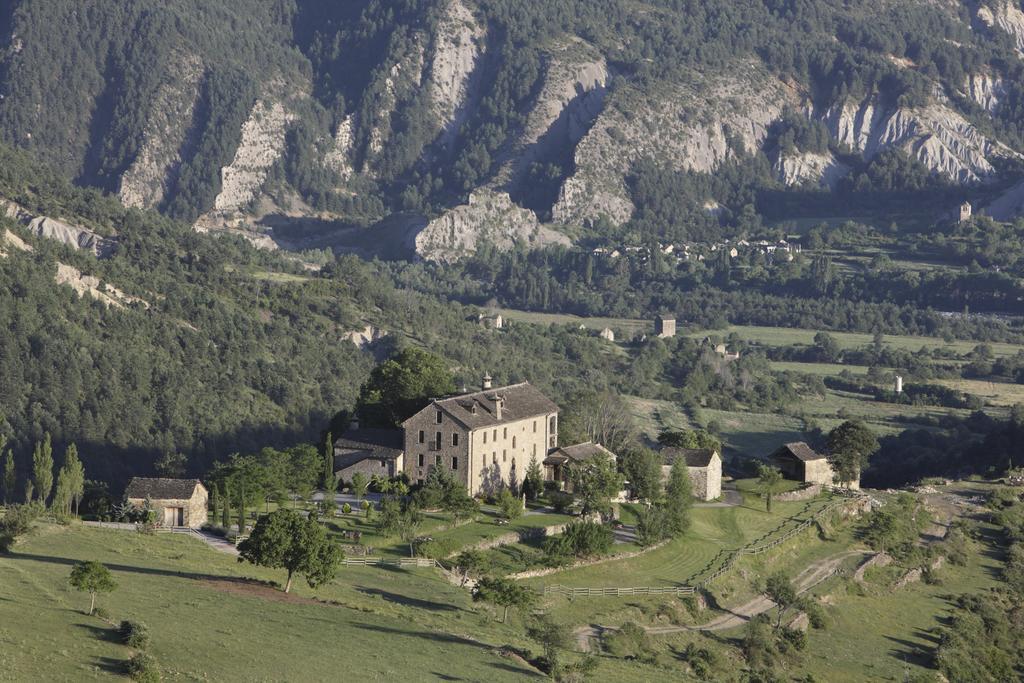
x=106 y=294
x=571 y=98
x=809 y=169
x=488 y=218
x=936 y=135
x=686 y=126
x=986 y=90
x=72 y=235
x=146 y=182
x=457 y=50
x=339 y=156
x=367 y=335
x=406 y=74
x=1004 y=15
x=262 y=144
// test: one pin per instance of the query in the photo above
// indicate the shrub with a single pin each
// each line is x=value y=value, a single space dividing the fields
x=629 y=642
x=102 y=613
x=346 y=508
x=511 y=506
x=16 y=522
x=580 y=539
x=143 y=668
x=437 y=548
x=560 y=501
x=133 y=634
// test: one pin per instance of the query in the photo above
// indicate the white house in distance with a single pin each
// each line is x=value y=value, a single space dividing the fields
x=704 y=466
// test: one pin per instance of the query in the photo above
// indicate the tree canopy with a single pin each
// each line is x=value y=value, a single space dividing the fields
x=283 y=539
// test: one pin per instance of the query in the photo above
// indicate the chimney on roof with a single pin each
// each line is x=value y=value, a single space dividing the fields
x=499 y=403
x=487 y=381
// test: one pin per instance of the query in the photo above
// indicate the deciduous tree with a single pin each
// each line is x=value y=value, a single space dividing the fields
x=850 y=446
x=285 y=540
x=92 y=577
x=504 y=593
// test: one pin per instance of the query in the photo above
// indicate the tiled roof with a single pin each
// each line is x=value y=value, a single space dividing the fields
x=799 y=450
x=694 y=457
x=161 y=489
x=478 y=409
x=580 y=452
x=357 y=445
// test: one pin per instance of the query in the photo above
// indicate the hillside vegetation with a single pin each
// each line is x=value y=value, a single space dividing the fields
x=590 y=114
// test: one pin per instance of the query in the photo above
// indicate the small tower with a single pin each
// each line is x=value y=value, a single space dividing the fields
x=966 y=211
x=664 y=326
x=487 y=381
x=607 y=334
x=899 y=384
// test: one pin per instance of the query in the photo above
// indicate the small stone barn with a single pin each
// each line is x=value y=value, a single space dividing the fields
x=370 y=451
x=177 y=502
x=800 y=462
x=559 y=462
x=704 y=466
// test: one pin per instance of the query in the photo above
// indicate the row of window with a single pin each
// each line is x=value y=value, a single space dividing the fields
x=437 y=461
x=438 y=438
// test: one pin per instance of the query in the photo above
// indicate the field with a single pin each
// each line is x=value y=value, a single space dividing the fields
x=207 y=625
x=997 y=393
x=784 y=336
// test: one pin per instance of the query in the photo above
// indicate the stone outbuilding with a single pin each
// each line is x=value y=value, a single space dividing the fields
x=607 y=334
x=704 y=466
x=664 y=326
x=559 y=462
x=800 y=462
x=177 y=502
x=374 y=452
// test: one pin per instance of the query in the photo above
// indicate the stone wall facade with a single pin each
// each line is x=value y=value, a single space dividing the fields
x=381 y=467
x=484 y=459
x=706 y=482
x=818 y=472
x=194 y=510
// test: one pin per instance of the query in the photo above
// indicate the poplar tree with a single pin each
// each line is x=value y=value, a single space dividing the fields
x=42 y=469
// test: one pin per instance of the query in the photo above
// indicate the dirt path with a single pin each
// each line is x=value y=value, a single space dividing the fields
x=810 y=577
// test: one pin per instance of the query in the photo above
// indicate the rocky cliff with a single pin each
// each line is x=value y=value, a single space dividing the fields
x=691 y=125
x=936 y=135
x=74 y=236
x=1004 y=15
x=149 y=179
x=487 y=218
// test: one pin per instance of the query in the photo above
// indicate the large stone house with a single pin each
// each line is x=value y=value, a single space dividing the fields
x=374 y=452
x=704 y=466
x=800 y=462
x=486 y=438
x=177 y=502
x=559 y=462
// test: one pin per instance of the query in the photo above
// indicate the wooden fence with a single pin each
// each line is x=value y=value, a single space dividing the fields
x=733 y=557
x=384 y=562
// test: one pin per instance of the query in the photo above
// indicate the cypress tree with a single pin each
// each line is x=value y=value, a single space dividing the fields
x=42 y=469
x=225 y=511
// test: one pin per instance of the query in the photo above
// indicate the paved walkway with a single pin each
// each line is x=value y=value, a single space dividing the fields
x=217 y=543
x=730 y=499
x=810 y=577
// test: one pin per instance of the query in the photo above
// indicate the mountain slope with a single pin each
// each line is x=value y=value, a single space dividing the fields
x=261 y=112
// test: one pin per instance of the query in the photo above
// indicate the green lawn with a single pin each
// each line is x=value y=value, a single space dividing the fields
x=899 y=640
x=683 y=562
x=206 y=625
x=755 y=434
x=439 y=527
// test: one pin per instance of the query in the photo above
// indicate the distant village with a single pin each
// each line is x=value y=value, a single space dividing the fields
x=702 y=251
